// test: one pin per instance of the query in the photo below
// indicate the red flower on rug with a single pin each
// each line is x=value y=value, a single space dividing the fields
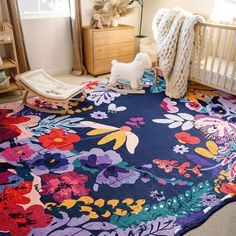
x=184 y=137
x=57 y=138
x=91 y=85
x=228 y=188
x=8 y=125
x=64 y=186
x=19 y=221
x=11 y=196
x=165 y=164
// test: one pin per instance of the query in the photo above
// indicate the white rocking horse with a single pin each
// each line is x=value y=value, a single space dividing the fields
x=129 y=74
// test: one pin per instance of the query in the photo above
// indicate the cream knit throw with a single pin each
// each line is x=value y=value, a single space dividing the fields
x=174 y=34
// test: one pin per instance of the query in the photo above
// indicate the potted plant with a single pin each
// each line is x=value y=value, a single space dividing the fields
x=140 y=2
x=108 y=12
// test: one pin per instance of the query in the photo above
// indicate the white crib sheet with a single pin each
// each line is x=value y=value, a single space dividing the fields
x=221 y=81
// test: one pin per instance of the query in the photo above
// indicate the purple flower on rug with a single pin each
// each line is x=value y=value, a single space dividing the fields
x=99 y=115
x=96 y=158
x=210 y=200
x=101 y=95
x=18 y=153
x=217 y=110
x=115 y=176
x=232 y=119
x=214 y=128
x=55 y=162
x=156 y=195
x=161 y=226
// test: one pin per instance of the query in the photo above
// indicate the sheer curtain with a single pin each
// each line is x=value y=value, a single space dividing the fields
x=76 y=32
x=11 y=14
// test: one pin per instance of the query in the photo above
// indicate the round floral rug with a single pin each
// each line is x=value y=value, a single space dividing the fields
x=117 y=165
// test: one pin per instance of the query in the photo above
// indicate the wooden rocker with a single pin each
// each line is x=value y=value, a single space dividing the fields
x=39 y=83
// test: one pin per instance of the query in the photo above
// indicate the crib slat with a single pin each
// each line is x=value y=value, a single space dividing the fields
x=214 y=53
x=208 y=51
x=194 y=50
x=233 y=74
x=203 y=28
x=222 y=50
x=230 y=58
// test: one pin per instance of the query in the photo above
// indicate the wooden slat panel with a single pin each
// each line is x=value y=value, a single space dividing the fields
x=203 y=32
x=194 y=49
x=104 y=65
x=222 y=50
x=216 y=43
x=229 y=57
x=108 y=37
x=208 y=50
x=233 y=74
x=113 y=50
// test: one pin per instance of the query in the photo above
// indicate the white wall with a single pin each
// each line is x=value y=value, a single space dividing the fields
x=48 y=40
x=48 y=44
x=194 y=6
x=132 y=19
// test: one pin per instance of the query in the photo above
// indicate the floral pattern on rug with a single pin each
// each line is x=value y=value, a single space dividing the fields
x=117 y=164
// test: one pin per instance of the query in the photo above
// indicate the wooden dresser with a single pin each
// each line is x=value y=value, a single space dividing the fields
x=101 y=46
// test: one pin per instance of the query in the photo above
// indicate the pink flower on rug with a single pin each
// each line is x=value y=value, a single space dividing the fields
x=232 y=172
x=64 y=186
x=194 y=106
x=135 y=122
x=18 y=153
x=169 y=106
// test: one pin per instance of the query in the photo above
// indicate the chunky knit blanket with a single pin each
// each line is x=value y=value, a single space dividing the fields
x=174 y=35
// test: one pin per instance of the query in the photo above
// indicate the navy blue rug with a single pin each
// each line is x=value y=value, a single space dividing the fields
x=117 y=164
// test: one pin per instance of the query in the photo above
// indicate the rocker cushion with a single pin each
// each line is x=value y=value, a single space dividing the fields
x=46 y=86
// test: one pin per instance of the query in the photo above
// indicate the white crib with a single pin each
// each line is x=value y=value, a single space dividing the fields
x=214 y=64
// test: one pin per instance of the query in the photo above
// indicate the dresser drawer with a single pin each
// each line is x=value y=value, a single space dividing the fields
x=101 y=46
x=104 y=65
x=111 y=36
x=113 y=50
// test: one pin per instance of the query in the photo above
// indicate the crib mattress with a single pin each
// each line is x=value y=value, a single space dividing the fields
x=212 y=79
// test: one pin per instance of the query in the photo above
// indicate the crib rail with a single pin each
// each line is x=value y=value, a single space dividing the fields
x=214 y=63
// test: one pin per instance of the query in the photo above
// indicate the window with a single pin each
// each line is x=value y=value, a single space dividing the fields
x=40 y=8
x=224 y=10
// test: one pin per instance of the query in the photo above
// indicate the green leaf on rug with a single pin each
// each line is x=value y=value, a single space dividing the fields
x=180 y=205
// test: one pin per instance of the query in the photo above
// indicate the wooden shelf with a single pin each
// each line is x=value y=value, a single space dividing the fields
x=3 y=42
x=10 y=62
x=7 y=64
x=13 y=87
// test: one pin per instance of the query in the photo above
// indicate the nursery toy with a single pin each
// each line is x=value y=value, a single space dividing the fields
x=96 y=21
x=129 y=74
